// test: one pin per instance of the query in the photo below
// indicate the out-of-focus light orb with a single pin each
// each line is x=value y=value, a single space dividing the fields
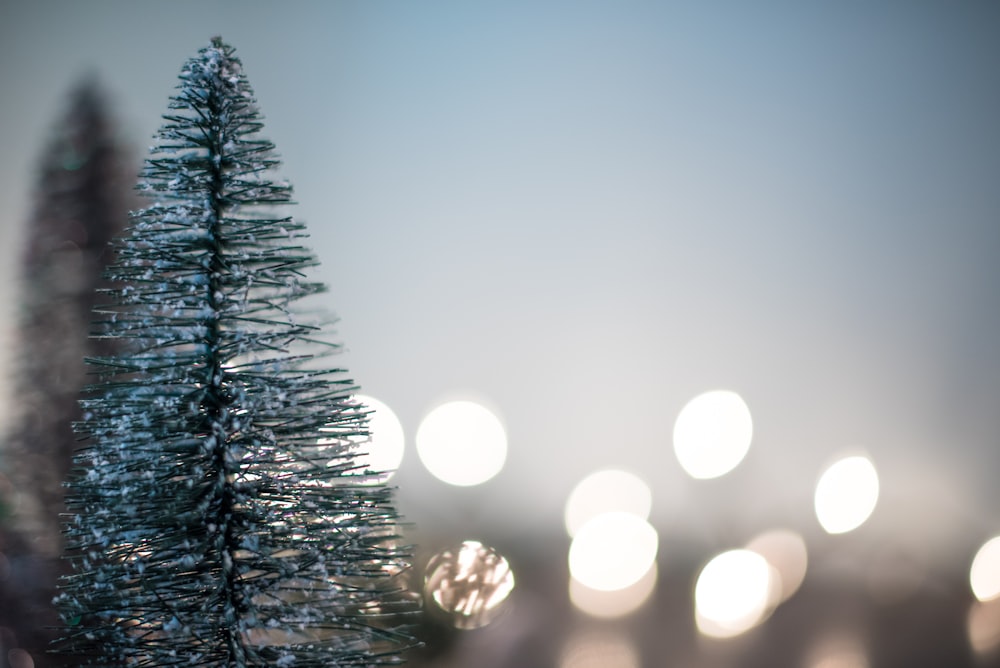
x=612 y=551
x=712 y=434
x=838 y=653
x=846 y=659
x=984 y=575
x=590 y=650
x=786 y=552
x=732 y=593
x=984 y=626
x=846 y=494
x=462 y=443
x=469 y=583
x=606 y=491
x=18 y=658
x=612 y=604
x=382 y=452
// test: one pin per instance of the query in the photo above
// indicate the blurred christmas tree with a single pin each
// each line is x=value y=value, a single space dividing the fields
x=81 y=202
x=218 y=515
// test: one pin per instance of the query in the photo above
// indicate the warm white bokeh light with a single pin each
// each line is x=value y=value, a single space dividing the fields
x=786 y=552
x=606 y=491
x=846 y=659
x=732 y=593
x=382 y=452
x=838 y=652
x=612 y=604
x=469 y=582
x=984 y=626
x=612 y=551
x=984 y=575
x=19 y=658
x=598 y=650
x=462 y=443
x=846 y=494
x=712 y=434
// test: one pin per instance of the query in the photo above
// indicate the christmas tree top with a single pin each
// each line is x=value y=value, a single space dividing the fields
x=218 y=516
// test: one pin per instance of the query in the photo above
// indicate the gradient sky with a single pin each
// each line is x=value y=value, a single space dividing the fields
x=585 y=213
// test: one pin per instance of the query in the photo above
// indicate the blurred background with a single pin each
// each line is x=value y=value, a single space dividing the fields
x=739 y=257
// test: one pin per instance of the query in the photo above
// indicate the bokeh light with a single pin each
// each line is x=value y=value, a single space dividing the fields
x=732 y=593
x=984 y=627
x=838 y=652
x=382 y=452
x=984 y=575
x=612 y=551
x=712 y=434
x=845 y=659
x=610 y=490
x=469 y=583
x=786 y=553
x=599 y=650
x=19 y=658
x=616 y=603
x=846 y=494
x=462 y=443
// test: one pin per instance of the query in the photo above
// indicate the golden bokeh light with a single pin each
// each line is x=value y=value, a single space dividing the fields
x=846 y=494
x=613 y=551
x=712 y=434
x=732 y=593
x=462 y=443
x=609 y=490
x=613 y=604
x=469 y=583
x=984 y=575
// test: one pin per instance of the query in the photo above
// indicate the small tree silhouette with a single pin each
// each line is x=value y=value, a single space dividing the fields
x=81 y=202
x=218 y=517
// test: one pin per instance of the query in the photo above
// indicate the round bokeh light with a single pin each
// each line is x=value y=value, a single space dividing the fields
x=612 y=551
x=786 y=552
x=712 y=434
x=599 y=650
x=381 y=453
x=469 y=582
x=610 y=490
x=846 y=494
x=462 y=443
x=732 y=593
x=984 y=575
x=613 y=604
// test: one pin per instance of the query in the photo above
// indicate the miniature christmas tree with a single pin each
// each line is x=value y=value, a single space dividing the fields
x=81 y=201
x=219 y=517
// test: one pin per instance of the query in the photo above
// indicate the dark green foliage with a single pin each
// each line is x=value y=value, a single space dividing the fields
x=219 y=518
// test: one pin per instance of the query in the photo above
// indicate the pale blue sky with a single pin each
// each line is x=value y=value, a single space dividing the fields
x=585 y=213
